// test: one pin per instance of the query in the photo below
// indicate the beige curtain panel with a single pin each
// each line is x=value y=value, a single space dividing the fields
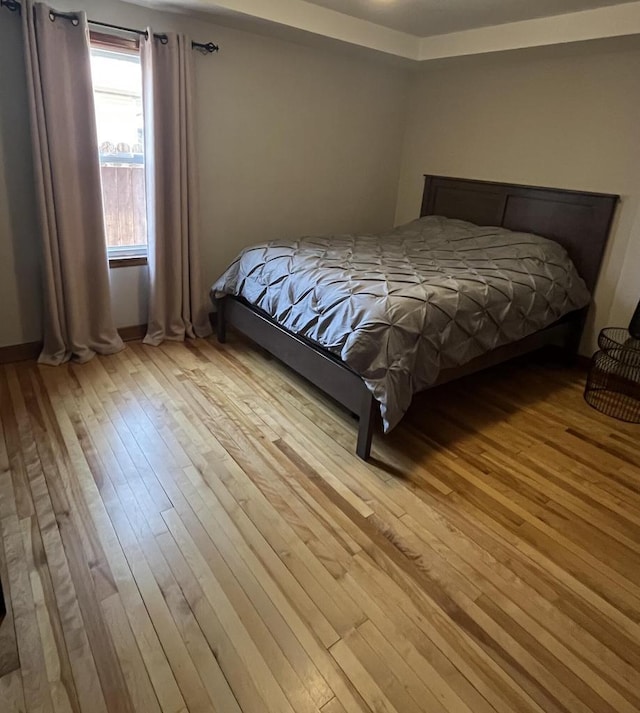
x=177 y=302
x=77 y=306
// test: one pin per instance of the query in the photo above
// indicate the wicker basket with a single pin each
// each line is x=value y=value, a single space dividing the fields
x=613 y=385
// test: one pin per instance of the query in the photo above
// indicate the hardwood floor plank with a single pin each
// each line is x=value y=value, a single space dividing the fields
x=386 y=662
x=89 y=502
x=86 y=567
x=9 y=658
x=499 y=581
x=271 y=626
x=62 y=687
x=272 y=694
x=187 y=529
x=79 y=679
x=333 y=706
x=35 y=682
x=356 y=672
x=135 y=674
x=251 y=555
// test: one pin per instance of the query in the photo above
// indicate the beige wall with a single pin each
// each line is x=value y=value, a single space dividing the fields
x=291 y=140
x=566 y=116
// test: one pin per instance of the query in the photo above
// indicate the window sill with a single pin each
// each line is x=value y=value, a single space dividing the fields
x=127 y=261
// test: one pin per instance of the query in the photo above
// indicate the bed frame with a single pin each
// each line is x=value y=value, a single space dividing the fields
x=579 y=221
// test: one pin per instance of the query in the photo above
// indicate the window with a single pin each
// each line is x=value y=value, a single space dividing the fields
x=117 y=85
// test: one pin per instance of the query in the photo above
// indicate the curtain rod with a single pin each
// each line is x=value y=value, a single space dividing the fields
x=14 y=6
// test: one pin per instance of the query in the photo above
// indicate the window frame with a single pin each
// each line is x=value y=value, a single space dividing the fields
x=101 y=40
x=135 y=255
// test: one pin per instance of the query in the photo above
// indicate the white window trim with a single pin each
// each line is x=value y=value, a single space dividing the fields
x=116 y=252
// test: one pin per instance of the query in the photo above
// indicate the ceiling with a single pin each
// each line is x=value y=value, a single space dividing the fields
x=422 y=30
x=436 y=17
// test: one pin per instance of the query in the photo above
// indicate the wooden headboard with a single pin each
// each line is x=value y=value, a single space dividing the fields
x=579 y=221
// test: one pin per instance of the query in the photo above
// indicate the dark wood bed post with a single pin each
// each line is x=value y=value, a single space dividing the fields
x=3 y=608
x=365 y=427
x=221 y=325
x=571 y=345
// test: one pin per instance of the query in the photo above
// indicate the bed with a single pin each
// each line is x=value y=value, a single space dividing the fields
x=373 y=319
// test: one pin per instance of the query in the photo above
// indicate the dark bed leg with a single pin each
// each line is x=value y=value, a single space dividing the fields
x=365 y=428
x=574 y=337
x=221 y=326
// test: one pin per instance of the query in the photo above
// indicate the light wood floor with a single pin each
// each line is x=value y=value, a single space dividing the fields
x=186 y=528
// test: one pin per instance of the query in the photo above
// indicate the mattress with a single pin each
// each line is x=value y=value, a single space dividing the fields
x=401 y=306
